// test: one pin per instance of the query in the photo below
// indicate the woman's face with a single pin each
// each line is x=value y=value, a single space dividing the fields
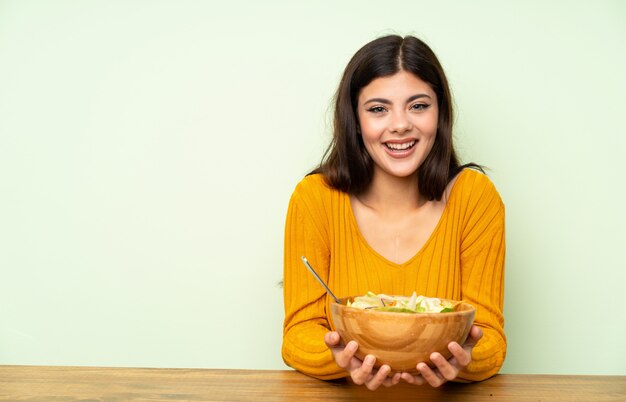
x=398 y=119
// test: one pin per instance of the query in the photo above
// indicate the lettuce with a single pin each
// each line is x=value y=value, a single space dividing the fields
x=401 y=304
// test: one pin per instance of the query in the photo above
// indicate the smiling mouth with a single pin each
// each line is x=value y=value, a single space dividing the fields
x=400 y=147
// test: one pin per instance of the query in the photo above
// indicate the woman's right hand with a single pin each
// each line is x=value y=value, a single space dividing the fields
x=361 y=372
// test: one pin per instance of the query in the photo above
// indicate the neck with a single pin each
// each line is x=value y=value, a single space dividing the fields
x=392 y=195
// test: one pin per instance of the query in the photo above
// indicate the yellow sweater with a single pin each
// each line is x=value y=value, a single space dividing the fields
x=462 y=259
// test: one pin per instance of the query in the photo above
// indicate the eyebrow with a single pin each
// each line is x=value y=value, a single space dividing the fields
x=388 y=102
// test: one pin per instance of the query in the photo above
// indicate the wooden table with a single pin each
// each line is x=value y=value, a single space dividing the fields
x=41 y=383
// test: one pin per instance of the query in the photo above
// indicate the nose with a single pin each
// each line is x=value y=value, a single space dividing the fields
x=400 y=122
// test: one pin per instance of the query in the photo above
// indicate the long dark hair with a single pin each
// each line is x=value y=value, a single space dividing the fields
x=346 y=165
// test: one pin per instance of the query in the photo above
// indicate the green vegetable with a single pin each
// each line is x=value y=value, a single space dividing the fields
x=401 y=304
x=394 y=309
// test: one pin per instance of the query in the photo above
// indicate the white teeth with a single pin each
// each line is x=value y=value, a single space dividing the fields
x=400 y=147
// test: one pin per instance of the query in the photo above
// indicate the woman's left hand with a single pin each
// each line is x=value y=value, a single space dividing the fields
x=446 y=370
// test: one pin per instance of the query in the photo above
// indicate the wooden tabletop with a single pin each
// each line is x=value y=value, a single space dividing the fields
x=42 y=383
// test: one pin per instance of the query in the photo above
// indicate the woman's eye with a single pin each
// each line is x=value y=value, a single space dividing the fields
x=420 y=106
x=376 y=109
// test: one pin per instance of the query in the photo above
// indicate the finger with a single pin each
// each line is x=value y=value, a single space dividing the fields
x=462 y=357
x=390 y=381
x=378 y=379
x=431 y=376
x=412 y=379
x=447 y=370
x=343 y=356
x=474 y=336
x=332 y=339
x=363 y=373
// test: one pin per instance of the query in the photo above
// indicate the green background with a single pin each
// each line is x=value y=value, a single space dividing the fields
x=148 y=150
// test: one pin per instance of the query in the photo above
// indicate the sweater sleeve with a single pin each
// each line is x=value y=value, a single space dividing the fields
x=305 y=313
x=482 y=271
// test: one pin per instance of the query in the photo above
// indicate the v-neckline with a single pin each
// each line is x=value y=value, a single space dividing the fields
x=432 y=235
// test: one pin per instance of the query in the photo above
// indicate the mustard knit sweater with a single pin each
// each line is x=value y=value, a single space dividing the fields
x=462 y=259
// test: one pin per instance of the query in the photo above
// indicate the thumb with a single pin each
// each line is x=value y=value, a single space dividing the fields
x=474 y=336
x=332 y=338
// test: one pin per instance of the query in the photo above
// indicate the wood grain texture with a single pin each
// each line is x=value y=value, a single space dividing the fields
x=55 y=384
x=401 y=340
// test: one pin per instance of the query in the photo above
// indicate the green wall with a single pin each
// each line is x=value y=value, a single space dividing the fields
x=148 y=150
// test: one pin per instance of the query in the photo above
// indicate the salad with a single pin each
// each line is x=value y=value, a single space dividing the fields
x=401 y=304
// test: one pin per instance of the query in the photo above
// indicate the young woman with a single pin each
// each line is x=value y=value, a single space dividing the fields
x=391 y=210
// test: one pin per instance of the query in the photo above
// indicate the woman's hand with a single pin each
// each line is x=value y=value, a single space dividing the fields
x=446 y=370
x=361 y=372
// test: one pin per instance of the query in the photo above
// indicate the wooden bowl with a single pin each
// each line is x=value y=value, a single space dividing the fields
x=401 y=340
